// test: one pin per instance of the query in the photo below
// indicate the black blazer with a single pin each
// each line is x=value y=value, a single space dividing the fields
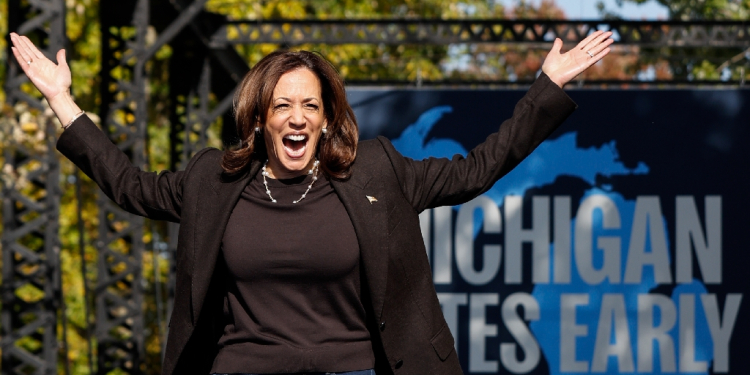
x=409 y=333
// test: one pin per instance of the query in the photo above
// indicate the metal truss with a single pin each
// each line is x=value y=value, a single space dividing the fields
x=31 y=290
x=202 y=82
x=197 y=115
x=119 y=292
x=525 y=83
x=687 y=38
x=528 y=32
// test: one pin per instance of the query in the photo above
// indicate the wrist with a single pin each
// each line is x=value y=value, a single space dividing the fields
x=64 y=107
x=557 y=80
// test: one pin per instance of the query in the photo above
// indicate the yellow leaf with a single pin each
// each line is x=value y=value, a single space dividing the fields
x=29 y=126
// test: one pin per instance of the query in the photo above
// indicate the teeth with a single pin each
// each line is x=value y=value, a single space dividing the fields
x=295 y=137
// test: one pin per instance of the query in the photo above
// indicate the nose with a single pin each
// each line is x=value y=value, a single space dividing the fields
x=297 y=117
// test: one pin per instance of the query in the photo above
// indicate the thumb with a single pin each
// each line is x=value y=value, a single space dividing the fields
x=61 y=58
x=557 y=46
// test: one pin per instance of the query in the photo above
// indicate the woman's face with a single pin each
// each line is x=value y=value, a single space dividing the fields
x=294 y=124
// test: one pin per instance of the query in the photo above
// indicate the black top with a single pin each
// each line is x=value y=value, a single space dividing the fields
x=293 y=292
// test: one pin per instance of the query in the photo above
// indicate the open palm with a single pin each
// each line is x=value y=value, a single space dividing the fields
x=563 y=67
x=49 y=78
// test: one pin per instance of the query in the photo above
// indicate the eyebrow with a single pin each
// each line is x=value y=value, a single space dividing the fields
x=304 y=100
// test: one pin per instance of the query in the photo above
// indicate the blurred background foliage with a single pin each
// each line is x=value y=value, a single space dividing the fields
x=21 y=125
x=691 y=63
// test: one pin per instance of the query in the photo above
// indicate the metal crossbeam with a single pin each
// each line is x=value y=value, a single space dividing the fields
x=31 y=289
x=528 y=32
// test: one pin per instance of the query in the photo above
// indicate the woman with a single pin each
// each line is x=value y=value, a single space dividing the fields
x=300 y=252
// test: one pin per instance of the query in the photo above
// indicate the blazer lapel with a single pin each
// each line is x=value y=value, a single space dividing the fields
x=213 y=213
x=364 y=199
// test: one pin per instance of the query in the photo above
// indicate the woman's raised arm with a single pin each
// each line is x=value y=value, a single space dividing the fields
x=52 y=80
x=439 y=181
x=156 y=196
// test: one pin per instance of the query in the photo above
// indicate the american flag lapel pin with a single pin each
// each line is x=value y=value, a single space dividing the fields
x=371 y=199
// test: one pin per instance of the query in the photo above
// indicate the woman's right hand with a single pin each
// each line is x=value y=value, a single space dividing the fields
x=52 y=80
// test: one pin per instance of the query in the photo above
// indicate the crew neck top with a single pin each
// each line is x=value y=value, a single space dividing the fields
x=293 y=288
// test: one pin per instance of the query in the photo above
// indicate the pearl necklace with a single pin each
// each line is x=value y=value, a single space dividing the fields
x=313 y=171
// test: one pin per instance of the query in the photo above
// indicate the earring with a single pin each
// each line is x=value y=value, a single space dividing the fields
x=257 y=130
x=325 y=131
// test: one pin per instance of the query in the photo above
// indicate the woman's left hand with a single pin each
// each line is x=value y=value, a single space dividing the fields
x=563 y=67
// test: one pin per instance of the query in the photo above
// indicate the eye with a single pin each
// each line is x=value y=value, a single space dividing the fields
x=280 y=106
x=311 y=106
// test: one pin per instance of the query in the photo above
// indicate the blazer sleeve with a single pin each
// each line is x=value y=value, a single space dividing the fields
x=154 y=195
x=437 y=182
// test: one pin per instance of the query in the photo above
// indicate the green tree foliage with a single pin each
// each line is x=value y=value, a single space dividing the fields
x=694 y=63
x=703 y=9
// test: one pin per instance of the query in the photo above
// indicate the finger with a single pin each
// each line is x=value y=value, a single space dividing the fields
x=20 y=59
x=601 y=38
x=35 y=53
x=601 y=46
x=61 y=60
x=588 y=39
x=20 y=50
x=597 y=57
x=597 y=40
x=556 y=46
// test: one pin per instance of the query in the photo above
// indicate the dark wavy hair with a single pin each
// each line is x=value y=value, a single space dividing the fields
x=336 y=149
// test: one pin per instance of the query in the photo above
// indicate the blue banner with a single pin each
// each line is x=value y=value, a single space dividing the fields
x=618 y=247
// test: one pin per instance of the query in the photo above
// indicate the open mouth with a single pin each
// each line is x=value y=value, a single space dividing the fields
x=295 y=144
